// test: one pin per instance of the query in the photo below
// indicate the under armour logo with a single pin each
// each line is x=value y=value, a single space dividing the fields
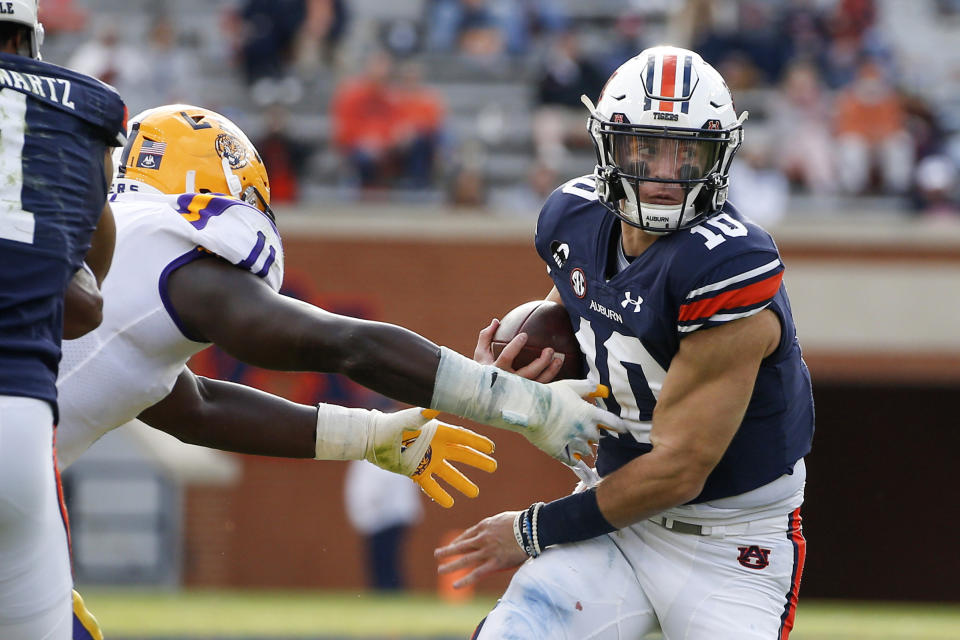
x=627 y=300
x=753 y=557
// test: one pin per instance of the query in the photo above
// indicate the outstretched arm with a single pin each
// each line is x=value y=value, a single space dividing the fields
x=236 y=310
x=232 y=417
x=220 y=303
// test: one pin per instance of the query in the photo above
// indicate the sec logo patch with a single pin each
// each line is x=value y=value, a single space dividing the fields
x=578 y=280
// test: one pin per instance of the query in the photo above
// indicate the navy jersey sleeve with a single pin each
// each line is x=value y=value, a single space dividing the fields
x=94 y=102
x=562 y=209
x=735 y=272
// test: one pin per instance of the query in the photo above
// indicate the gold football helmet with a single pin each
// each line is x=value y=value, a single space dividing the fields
x=179 y=148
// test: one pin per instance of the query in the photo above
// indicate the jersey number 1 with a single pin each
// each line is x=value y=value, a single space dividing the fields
x=15 y=223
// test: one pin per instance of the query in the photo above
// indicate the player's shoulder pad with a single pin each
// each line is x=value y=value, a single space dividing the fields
x=79 y=95
x=575 y=198
x=722 y=237
x=725 y=268
x=235 y=231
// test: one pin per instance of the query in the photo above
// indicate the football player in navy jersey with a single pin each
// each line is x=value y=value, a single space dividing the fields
x=57 y=131
x=690 y=521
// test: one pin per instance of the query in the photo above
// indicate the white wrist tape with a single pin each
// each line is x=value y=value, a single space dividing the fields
x=362 y=434
x=483 y=392
x=343 y=433
x=553 y=417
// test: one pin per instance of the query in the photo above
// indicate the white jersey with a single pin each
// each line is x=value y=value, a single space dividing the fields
x=132 y=360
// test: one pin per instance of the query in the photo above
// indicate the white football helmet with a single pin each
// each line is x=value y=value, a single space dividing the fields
x=25 y=12
x=665 y=132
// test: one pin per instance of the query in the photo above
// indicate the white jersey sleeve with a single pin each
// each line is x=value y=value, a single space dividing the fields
x=132 y=360
x=235 y=231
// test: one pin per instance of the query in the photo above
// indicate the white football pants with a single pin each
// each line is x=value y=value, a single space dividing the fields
x=35 y=578
x=622 y=585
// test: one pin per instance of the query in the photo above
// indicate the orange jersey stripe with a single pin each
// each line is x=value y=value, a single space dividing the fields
x=60 y=499
x=745 y=297
x=668 y=81
x=800 y=544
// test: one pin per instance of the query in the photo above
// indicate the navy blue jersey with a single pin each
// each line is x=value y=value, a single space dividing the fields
x=630 y=324
x=55 y=128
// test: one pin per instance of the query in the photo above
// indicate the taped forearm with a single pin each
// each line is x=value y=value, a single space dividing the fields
x=482 y=392
x=343 y=433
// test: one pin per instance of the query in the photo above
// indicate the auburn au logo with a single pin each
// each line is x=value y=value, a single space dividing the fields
x=753 y=557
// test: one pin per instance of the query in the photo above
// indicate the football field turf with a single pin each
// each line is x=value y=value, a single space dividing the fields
x=131 y=614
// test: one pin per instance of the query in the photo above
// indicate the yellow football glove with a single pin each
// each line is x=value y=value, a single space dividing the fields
x=449 y=443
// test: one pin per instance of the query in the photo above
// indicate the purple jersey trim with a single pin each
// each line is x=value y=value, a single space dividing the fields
x=186 y=258
x=255 y=252
x=215 y=207
x=266 y=265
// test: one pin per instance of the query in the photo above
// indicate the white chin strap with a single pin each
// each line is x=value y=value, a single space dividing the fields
x=657 y=218
x=233 y=182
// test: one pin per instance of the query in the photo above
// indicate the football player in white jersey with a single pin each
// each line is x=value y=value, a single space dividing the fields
x=199 y=260
x=690 y=520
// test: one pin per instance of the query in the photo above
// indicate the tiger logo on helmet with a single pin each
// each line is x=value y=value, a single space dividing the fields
x=186 y=149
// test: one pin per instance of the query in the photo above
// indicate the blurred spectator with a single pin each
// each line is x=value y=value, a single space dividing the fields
x=318 y=40
x=627 y=41
x=107 y=58
x=804 y=33
x=61 y=15
x=937 y=187
x=854 y=36
x=175 y=80
x=387 y=130
x=526 y=198
x=402 y=37
x=420 y=112
x=382 y=506
x=757 y=189
x=363 y=116
x=869 y=123
x=285 y=156
x=267 y=32
x=559 y=118
x=485 y=30
x=469 y=27
x=799 y=117
x=467 y=184
x=748 y=45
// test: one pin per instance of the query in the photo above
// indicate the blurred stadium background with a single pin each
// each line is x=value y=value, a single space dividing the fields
x=409 y=144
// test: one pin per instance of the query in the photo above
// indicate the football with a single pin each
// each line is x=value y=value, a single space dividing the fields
x=546 y=325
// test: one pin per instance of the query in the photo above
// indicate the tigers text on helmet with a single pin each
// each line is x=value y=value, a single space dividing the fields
x=24 y=12
x=180 y=148
x=665 y=132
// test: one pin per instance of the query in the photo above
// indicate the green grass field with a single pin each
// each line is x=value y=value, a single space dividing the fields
x=191 y=615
